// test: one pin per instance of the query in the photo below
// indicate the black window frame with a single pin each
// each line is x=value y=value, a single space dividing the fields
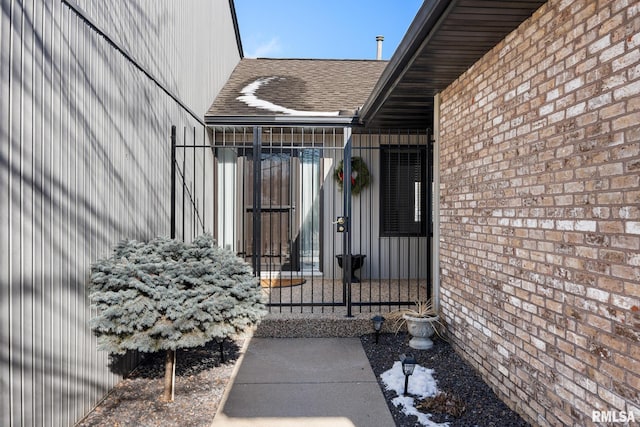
x=401 y=198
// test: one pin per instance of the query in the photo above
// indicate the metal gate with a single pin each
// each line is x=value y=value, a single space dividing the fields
x=277 y=203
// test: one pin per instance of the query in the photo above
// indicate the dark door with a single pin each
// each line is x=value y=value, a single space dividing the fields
x=277 y=211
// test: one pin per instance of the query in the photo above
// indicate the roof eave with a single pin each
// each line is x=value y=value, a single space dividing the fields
x=281 y=120
x=236 y=28
x=426 y=21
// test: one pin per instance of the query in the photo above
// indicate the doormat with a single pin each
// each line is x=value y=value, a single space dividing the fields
x=281 y=282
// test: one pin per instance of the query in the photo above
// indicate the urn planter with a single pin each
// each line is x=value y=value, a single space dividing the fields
x=421 y=329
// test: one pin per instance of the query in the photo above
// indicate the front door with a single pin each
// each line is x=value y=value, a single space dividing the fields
x=276 y=212
x=289 y=210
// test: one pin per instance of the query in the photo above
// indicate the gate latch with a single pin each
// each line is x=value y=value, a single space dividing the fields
x=341 y=221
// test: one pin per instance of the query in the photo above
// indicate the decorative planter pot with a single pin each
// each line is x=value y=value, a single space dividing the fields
x=357 y=261
x=421 y=329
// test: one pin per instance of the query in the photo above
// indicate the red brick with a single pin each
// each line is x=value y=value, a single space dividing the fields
x=557 y=106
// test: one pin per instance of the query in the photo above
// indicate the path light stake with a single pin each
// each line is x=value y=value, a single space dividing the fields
x=220 y=342
x=408 y=365
x=377 y=325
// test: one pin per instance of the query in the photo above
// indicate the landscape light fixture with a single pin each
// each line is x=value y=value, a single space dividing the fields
x=408 y=365
x=377 y=325
x=220 y=342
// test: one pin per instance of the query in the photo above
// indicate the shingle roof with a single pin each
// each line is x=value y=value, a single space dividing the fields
x=296 y=87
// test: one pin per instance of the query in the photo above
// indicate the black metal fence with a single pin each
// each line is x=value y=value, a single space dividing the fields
x=192 y=169
x=278 y=197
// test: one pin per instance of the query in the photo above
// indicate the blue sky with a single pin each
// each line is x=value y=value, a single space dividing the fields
x=336 y=29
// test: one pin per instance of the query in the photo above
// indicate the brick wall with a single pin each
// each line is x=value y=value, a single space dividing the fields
x=540 y=212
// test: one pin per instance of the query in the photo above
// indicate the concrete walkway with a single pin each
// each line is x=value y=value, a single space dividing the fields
x=311 y=382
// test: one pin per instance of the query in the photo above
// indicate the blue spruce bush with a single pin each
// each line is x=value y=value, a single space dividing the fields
x=167 y=295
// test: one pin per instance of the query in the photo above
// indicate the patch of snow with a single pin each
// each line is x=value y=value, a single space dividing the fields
x=249 y=97
x=421 y=385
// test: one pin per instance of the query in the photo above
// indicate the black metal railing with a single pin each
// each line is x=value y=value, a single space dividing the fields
x=276 y=202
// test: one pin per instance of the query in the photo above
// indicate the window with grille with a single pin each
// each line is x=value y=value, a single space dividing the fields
x=403 y=191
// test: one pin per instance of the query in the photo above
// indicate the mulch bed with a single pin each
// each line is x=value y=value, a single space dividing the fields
x=466 y=393
x=201 y=378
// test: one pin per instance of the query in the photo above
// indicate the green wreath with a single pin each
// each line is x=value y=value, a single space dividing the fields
x=360 y=176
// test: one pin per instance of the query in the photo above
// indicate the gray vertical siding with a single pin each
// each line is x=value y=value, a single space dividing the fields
x=84 y=163
x=388 y=257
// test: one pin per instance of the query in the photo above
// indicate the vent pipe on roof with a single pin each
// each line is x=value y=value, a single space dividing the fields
x=379 y=40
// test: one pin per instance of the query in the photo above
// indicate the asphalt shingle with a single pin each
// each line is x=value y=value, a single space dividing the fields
x=302 y=85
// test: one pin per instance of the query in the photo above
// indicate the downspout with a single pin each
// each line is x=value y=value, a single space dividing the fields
x=435 y=201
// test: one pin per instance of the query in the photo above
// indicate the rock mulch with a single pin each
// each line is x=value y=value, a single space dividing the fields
x=201 y=378
x=465 y=392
